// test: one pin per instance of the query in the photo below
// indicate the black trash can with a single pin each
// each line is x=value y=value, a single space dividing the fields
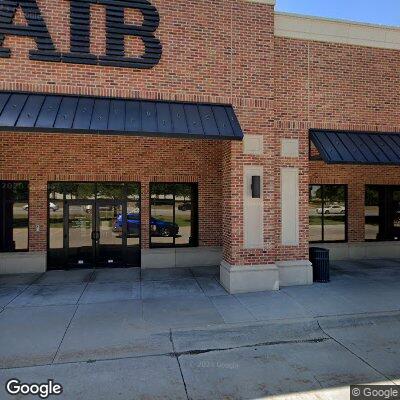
x=319 y=258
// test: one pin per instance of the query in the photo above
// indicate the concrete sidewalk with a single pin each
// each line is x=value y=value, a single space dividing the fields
x=303 y=359
x=163 y=334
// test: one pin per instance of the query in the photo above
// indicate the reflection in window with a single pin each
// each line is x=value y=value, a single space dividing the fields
x=56 y=212
x=77 y=191
x=133 y=223
x=373 y=222
x=133 y=191
x=173 y=219
x=327 y=213
x=382 y=213
x=59 y=192
x=14 y=220
x=394 y=224
x=133 y=214
x=92 y=191
x=315 y=217
x=110 y=191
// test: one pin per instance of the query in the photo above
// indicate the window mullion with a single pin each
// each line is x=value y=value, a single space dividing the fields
x=173 y=214
x=323 y=212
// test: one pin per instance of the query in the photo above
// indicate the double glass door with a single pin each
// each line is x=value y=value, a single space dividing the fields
x=101 y=230
x=95 y=233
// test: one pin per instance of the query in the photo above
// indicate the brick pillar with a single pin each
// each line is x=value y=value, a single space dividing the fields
x=232 y=203
x=228 y=254
x=145 y=210
x=247 y=266
x=281 y=256
x=38 y=215
x=356 y=211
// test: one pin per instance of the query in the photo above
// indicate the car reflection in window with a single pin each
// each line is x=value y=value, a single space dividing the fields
x=332 y=209
x=52 y=206
x=157 y=226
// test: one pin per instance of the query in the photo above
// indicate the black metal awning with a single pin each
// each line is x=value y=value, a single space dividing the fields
x=81 y=114
x=337 y=147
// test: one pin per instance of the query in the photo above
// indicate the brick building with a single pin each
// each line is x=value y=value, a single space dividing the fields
x=122 y=139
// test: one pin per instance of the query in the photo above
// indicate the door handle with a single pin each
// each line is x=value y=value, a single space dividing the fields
x=95 y=236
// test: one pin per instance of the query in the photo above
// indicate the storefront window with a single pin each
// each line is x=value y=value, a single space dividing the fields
x=14 y=216
x=382 y=213
x=111 y=191
x=56 y=215
x=373 y=220
x=328 y=213
x=78 y=191
x=315 y=217
x=173 y=220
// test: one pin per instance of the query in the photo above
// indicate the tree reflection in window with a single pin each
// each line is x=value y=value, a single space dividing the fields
x=173 y=219
x=328 y=213
x=14 y=216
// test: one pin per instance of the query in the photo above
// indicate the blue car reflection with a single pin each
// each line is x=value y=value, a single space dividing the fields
x=157 y=226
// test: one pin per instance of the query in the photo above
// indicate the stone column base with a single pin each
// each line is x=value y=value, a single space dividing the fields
x=22 y=263
x=295 y=273
x=181 y=257
x=249 y=278
x=258 y=278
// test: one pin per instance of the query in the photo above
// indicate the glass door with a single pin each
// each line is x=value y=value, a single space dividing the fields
x=394 y=214
x=79 y=229
x=93 y=225
x=110 y=235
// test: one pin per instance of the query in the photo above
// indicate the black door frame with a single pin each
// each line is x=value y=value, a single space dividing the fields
x=66 y=215
x=97 y=239
x=127 y=250
x=389 y=229
x=386 y=217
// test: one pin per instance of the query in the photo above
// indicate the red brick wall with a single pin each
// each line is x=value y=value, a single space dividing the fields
x=218 y=51
x=41 y=158
x=335 y=86
x=205 y=53
x=213 y=51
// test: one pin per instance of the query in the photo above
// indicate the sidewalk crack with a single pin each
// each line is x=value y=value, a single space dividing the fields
x=70 y=321
x=176 y=355
x=24 y=290
x=355 y=354
x=65 y=333
x=261 y=344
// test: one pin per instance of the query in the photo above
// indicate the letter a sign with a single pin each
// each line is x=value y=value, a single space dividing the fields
x=115 y=27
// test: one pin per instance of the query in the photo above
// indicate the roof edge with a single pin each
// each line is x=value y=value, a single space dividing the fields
x=338 y=20
x=268 y=2
x=305 y=27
